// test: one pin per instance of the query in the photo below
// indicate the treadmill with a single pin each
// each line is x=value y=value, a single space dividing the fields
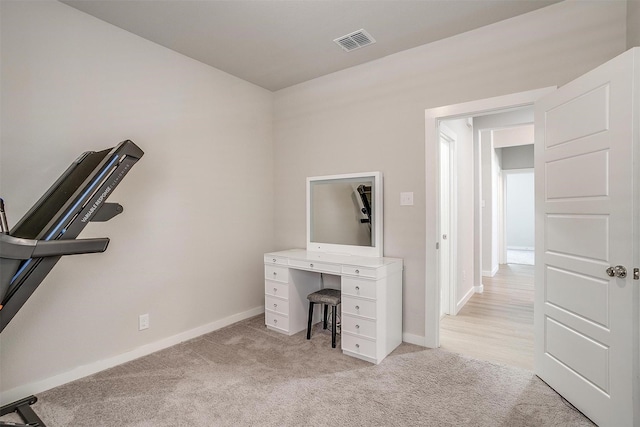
x=49 y=230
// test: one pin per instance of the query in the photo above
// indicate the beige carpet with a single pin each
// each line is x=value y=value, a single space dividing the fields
x=245 y=375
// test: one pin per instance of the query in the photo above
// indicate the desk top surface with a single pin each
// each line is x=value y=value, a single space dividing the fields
x=304 y=255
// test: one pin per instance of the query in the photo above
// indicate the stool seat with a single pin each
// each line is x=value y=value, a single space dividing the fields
x=325 y=296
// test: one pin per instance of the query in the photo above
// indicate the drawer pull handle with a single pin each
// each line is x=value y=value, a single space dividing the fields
x=311 y=265
x=275 y=274
x=275 y=305
x=357 y=326
x=275 y=290
x=274 y=260
x=357 y=307
x=357 y=271
x=357 y=345
x=275 y=320
x=357 y=288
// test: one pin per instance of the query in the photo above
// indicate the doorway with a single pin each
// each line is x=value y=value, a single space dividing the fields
x=433 y=118
x=492 y=319
x=584 y=313
x=519 y=217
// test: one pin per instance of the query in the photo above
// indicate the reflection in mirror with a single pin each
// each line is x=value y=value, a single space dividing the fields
x=343 y=214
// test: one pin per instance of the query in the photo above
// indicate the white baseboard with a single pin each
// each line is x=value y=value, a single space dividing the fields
x=491 y=273
x=520 y=248
x=413 y=339
x=100 y=365
x=478 y=289
x=465 y=299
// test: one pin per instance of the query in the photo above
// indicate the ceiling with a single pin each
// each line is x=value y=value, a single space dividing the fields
x=279 y=43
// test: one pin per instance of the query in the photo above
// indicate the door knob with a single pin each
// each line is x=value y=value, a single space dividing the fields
x=617 y=271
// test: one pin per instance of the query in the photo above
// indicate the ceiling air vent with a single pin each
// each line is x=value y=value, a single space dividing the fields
x=355 y=40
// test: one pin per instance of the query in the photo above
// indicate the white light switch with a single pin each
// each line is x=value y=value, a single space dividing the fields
x=406 y=199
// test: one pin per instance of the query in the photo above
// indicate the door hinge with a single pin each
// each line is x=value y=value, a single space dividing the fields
x=636 y=273
x=437 y=245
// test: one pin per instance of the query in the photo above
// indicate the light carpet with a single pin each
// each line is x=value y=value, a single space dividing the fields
x=246 y=375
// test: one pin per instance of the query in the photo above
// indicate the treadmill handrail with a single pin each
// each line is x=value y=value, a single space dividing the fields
x=23 y=249
x=45 y=248
x=16 y=247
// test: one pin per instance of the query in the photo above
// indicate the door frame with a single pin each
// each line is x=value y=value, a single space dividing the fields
x=451 y=294
x=433 y=117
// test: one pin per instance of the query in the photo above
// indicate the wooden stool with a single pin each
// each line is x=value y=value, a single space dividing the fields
x=327 y=297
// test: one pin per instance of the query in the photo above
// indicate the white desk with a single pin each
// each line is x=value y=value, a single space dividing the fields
x=371 y=308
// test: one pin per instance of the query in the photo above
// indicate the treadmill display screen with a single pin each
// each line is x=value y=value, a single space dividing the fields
x=34 y=225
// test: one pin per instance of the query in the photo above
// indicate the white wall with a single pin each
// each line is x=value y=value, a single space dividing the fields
x=509 y=137
x=72 y=83
x=371 y=117
x=633 y=23
x=485 y=130
x=520 y=157
x=484 y=138
x=519 y=209
x=198 y=207
x=497 y=202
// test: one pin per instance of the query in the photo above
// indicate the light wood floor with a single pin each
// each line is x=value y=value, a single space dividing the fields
x=496 y=325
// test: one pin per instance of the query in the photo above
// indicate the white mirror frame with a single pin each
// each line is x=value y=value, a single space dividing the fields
x=377 y=249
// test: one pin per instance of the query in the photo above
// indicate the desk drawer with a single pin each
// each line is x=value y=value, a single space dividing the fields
x=315 y=266
x=277 y=260
x=276 y=289
x=277 y=305
x=359 y=271
x=277 y=321
x=358 y=287
x=359 y=307
x=278 y=274
x=359 y=326
x=359 y=345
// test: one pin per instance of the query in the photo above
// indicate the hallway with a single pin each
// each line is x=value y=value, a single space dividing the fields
x=496 y=325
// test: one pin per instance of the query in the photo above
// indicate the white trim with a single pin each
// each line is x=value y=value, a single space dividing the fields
x=479 y=288
x=100 y=365
x=502 y=218
x=413 y=339
x=465 y=299
x=521 y=170
x=432 y=117
x=491 y=273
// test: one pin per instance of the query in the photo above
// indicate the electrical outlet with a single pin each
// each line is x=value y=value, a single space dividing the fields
x=143 y=321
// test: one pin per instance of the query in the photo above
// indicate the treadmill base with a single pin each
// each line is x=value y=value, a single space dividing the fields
x=23 y=408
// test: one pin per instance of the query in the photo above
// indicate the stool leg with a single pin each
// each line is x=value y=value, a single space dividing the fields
x=310 y=319
x=334 y=318
x=326 y=308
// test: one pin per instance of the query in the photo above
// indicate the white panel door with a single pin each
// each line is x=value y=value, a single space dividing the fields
x=448 y=217
x=586 y=322
x=445 y=211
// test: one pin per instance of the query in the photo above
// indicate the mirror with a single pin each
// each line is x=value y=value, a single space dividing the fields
x=344 y=214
